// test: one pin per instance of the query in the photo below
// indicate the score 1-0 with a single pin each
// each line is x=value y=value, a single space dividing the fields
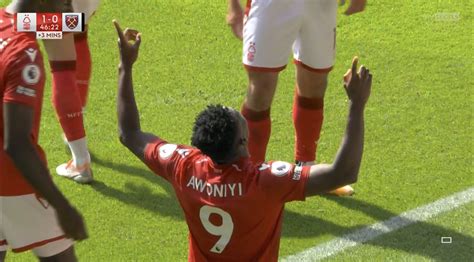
x=49 y=25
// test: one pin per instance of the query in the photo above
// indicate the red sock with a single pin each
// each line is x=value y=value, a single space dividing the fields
x=308 y=119
x=66 y=100
x=83 y=66
x=260 y=126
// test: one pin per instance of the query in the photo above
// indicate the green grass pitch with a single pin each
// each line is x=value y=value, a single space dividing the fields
x=419 y=129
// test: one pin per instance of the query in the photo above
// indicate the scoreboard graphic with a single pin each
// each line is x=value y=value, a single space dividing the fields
x=49 y=25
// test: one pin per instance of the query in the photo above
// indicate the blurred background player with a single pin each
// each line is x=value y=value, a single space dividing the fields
x=234 y=208
x=70 y=62
x=34 y=214
x=270 y=29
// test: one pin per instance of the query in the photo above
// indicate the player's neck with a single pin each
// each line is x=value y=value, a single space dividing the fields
x=242 y=153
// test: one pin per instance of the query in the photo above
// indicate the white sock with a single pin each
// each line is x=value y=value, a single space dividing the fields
x=80 y=153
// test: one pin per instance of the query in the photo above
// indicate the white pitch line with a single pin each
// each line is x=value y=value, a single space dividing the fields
x=368 y=233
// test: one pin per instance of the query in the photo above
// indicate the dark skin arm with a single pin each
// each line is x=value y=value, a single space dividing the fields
x=130 y=132
x=18 y=122
x=345 y=169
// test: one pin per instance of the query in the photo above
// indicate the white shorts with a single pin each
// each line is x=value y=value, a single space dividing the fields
x=29 y=223
x=273 y=27
x=88 y=7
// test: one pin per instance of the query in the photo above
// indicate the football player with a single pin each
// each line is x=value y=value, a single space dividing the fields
x=271 y=30
x=233 y=207
x=34 y=214
x=70 y=62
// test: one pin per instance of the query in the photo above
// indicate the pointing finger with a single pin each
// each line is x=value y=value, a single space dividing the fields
x=119 y=30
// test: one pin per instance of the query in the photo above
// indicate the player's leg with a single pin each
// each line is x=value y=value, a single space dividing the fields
x=269 y=30
x=83 y=65
x=314 y=52
x=256 y=110
x=308 y=106
x=68 y=106
x=3 y=254
x=84 y=62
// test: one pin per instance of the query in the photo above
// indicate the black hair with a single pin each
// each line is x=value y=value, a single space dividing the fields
x=214 y=133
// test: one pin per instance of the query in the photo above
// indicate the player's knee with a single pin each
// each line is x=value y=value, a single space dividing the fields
x=258 y=102
x=312 y=85
x=261 y=90
x=267 y=79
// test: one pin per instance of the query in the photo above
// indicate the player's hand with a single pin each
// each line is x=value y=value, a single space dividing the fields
x=71 y=223
x=358 y=84
x=129 y=42
x=355 y=6
x=235 y=19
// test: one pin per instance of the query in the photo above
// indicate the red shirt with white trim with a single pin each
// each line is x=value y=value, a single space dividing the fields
x=234 y=212
x=21 y=82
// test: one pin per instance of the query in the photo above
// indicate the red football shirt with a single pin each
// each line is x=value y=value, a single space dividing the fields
x=234 y=212
x=22 y=82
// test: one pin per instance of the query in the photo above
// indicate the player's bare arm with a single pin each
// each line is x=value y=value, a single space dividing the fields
x=18 y=121
x=130 y=132
x=345 y=168
x=235 y=18
x=355 y=6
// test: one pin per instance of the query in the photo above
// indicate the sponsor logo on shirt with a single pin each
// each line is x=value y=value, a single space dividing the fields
x=280 y=168
x=31 y=53
x=297 y=173
x=167 y=150
x=26 y=91
x=31 y=74
x=74 y=114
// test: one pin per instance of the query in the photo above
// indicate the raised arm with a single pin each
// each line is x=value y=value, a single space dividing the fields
x=345 y=168
x=18 y=121
x=130 y=132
